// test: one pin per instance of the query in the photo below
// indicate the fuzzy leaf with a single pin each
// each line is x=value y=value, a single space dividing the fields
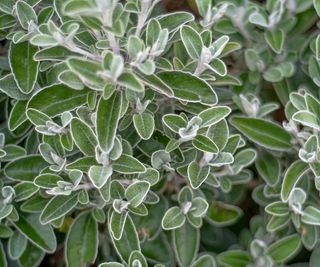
x=192 y=41
x=186 y=244
x=23 y=66
x=173 y=218
x=56 y=99
x=82 y=241
x=284 y=249
x=144 y=124
x=40 y=235
x=57 y=207
x=188 y=87
x=83 y=136
x=292 y=177
x=108 y=116
x=262 y=132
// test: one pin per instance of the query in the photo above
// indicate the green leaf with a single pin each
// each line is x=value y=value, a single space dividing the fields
x=89 y=74
x=269 y=168
x=263 y=132
x=316 y=4
x=37 y=117
x=3 y=259
x=173 y=218
x=311 y=216
x=273 y=74
x=312 y=103
x=82 y=241
x=25 y=14
x=13 y=152
x=234 y=258
x=137 y=192
x=34 y=204
x=204 y=261
x=188 y=87
x=9 y=87
x=318 y=47
x=127 y=164
x=213 y=115
x=205 y=144
x=57 y=207
x=291 y=177
x=197 y=174
x=99 y=175
x=47 y=180
x=277 y=208
x=203 y=6
x=192 y=41
x=16 y=245
x=277 y=223
x=44 y=40
x=117 y=222
x=258 y=19
x=108 y=116
x=83 y=137
x=129 y=240
x=23 y=66
x=111 y=264
x=6 y=21
x=25 y=168
x=24 y=190
x=136 y=257
x=58 y=98
x=40 y=235
x=82 y=164
x=285 y=248
x=32 y=256
x=144 y=124
x=199 y=207
x=174 y=122
x=186 y=244
x=315 y=256
x=17 y=115
x=6 y=6
x=218 y=66
x=175 y=20
x=130 y=81
x=275 y=40
x=53 y=53
x=221 y=214
x=307 y=118
x=5 y=231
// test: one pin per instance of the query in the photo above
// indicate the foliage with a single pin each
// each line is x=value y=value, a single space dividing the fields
x=131 y=136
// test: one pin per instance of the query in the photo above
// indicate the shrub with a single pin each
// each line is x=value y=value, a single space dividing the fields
x=132 y=136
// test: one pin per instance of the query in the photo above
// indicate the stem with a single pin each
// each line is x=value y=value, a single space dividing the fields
x=113 y=43
x=82 y=52
x=141 y=20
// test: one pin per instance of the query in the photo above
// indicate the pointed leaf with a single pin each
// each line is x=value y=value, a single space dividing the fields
x=292 y=176
x=57 y=207
x=40 y=235
x=144 y=124
x=82 y=241
x=108 y=115
x=83 y=136
x=58 y=98
x=186 y=244
x=173 y=218
x=285 y=248
x=127 y=164
x=192 y=41
x=262 y=132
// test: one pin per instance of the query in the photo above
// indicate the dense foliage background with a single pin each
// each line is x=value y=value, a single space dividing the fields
x=160 y=133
